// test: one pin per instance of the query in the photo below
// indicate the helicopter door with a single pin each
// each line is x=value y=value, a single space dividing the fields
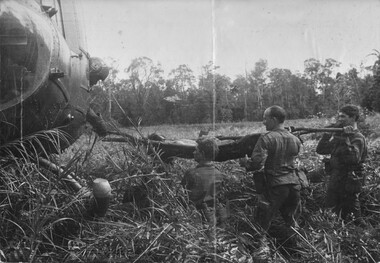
x=69 y=23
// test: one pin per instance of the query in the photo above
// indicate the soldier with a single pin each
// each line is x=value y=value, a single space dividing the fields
x=274 y=172
x=204 y=182
x=348 y=152
x=273 y=162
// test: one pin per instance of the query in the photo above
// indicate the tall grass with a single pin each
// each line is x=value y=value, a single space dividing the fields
x=150 y=220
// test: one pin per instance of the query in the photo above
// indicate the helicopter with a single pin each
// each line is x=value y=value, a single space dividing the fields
x=46 y=74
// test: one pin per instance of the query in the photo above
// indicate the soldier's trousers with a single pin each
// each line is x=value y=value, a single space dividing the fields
x=283 y=198
x=213 y=214
x=343 y=197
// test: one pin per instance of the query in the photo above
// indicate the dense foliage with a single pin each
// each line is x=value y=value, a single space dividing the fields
x=42 y=219
x=142 y=92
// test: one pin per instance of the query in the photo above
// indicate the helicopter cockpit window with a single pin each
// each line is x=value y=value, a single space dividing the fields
x=25 y=52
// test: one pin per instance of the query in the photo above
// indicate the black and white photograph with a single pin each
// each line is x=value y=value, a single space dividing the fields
x=194 y=131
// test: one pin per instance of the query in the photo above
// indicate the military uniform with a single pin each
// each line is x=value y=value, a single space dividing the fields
x=275 y=154
x=345 y=167
x=204 y=184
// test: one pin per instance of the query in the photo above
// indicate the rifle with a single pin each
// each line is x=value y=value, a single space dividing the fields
x=303 y=130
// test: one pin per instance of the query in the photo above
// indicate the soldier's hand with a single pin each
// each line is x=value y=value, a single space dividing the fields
x=243 y=161
x=348 y=129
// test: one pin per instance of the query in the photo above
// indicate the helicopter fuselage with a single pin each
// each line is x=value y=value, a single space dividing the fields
x=44 y=84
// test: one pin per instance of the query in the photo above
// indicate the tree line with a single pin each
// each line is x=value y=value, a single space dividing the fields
x=144 y=95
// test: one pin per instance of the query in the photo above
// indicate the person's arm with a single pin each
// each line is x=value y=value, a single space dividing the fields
x=259 y=156
x=325 y=145
x=352 y=151
x=194 y=186
x=188 y=180
x=218 y=184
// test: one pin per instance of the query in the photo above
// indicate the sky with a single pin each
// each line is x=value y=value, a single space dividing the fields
x=235 y=34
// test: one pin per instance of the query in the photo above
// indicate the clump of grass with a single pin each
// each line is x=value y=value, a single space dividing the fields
x=36 y=207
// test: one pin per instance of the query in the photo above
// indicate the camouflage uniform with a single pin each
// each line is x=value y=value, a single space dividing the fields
x=345 y=167
x=275 y=153
x=204 y=184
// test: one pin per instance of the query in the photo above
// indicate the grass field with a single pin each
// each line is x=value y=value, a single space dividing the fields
x=44 y=220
